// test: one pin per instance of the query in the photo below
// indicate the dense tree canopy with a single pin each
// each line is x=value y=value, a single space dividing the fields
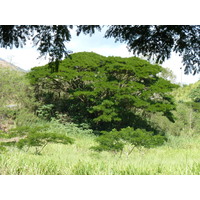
x=105 y=92
x=155 y=42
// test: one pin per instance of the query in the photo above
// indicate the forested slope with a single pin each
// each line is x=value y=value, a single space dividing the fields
x=183 y=93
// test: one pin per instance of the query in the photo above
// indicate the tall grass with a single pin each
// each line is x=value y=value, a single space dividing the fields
x=179 y=156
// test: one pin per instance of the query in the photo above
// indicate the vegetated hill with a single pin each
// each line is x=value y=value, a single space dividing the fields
x=182 y=93
x=5 y=64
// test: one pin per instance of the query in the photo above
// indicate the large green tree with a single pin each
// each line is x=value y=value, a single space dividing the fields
x=153 y=41
x=106 y=92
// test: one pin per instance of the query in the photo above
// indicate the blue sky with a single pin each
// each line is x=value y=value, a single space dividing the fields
x=26 y=57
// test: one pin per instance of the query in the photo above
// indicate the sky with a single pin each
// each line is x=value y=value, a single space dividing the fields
x=27 y=57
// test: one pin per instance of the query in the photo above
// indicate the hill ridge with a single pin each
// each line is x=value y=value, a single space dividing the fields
x=4 y=64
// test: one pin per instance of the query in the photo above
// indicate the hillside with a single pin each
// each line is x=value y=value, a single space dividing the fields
x=9 y=65
x=182 y=93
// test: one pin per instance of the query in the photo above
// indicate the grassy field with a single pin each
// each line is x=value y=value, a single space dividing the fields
x=179 y=156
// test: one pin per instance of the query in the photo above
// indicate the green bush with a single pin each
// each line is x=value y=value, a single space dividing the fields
x=68 y=128
x=45 y=111
x=115 y=141
x=37 y=137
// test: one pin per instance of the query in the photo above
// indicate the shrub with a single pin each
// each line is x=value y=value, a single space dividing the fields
x=115 y=141
x=37 y=137
x=68 y=128
x=45 y=111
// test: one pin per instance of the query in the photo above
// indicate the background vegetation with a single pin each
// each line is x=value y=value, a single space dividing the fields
x=98 y=115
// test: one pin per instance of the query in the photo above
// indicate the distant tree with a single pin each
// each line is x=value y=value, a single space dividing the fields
x=153 y=41
x=168 y=74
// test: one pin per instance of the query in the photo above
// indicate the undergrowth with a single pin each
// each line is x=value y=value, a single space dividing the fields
x=180 y=155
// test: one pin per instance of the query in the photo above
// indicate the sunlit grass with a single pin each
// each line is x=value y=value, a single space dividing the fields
x=178 y=156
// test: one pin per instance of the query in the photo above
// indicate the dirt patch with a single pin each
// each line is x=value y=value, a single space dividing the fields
x=15 y=139
x=6 y=125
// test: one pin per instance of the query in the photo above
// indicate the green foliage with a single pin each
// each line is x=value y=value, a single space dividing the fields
x=15 y=90
x=195 y=94
x=26 y=117
x=38 y=137
x=45 y=111
x=116 y=140
x=2 y=148
x=49 y=40
x=187 y=114
x=187 y=121
x=158 y=41
x=68 y=128
x=110 y=141
x=17 y=102
x=183 y=94
x=168 y=74
x=194 y=105
x=104 y=92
